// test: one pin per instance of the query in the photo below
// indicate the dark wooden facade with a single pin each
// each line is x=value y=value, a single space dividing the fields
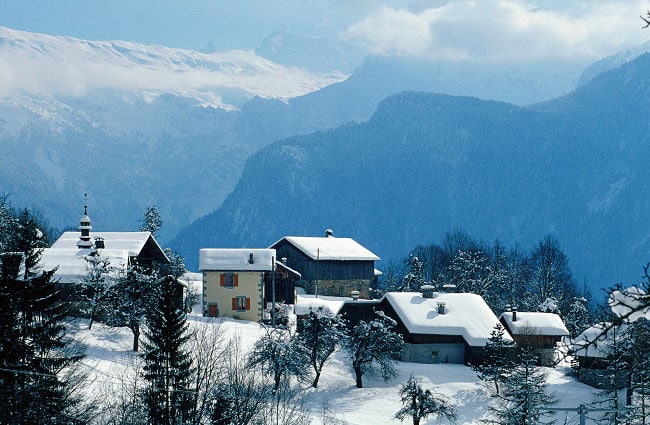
x=312 y=269
x=543 y=345
x=151 y=253
x=285 y=285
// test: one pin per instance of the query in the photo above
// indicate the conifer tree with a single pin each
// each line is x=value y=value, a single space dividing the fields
x=151 y=221
x=497 y=361
x=616 y=370
x=35 y=349
x=577 y=319
x=414 y=278
x=524 y=396
x=168 y=364
x=638 y=350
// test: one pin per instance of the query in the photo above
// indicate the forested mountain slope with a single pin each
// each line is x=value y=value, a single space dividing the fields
x=425 y=164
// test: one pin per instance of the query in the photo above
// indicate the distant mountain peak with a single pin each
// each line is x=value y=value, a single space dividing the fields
x=41 y=64
x=316 y=54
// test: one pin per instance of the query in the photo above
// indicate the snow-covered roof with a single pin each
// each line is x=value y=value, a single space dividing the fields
x=306 y=303
x=630 y=303
x=330 y=248
x=72 y=266
x=289 y=269
x=236 y=259
x=594 y=342
x=535 y=323
x=129 y=241
x=465 y=314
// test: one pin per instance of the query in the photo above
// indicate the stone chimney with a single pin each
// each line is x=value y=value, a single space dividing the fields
x=514 y=314
x=441 y=307
x=329 y=233
x=99 y=243
x=427 y=291
x=354 y=295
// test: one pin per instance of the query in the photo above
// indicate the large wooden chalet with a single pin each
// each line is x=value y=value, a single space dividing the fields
x=436 y=327
x=68 y=253
x=329 y=265
x=121 y=248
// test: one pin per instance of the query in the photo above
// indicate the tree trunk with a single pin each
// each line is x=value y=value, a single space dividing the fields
x=629 y=391
x=90 y=324
x=136 y=337
x=416 y=420
x=315 y=383
x=358 y=374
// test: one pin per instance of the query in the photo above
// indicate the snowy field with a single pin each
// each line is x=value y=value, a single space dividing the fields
x=110 y=361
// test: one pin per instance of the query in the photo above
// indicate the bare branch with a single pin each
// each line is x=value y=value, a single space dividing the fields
x=646 y=19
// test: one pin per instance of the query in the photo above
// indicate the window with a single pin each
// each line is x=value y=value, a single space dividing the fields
x=241 y=303
x=229 y=280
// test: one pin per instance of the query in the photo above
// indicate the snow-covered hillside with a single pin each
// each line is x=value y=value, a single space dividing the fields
x=110 y=362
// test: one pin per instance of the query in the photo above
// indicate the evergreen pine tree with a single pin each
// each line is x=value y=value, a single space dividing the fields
x=35 y=349
x=497 y=361
x=151 y=221
x=94 y=286
x=168 y=365
x=524 y=396
x=615 y=373
x=639 y=355
x=414 y=279
x=577 y=319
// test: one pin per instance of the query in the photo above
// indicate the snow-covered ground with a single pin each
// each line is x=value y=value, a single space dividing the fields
x=110 y=361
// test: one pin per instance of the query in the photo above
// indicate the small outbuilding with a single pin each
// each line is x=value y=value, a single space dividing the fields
x=541 y=331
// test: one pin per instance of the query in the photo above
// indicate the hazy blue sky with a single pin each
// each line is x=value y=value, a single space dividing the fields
x=493 y=29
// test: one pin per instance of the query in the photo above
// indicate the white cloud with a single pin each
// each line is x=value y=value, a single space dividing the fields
x=391 y=31
x=47 y=65
x=503 y=30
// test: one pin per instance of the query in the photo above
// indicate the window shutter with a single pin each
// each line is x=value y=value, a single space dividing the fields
x=248 y=303
x=234 y=304
x=222 y=279
x=235 y=280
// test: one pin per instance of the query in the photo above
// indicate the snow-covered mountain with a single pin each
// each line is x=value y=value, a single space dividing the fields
x=44 y=65
x=132 y=125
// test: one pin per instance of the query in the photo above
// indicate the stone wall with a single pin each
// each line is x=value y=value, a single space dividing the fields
x=339 y=288
x=434 y=353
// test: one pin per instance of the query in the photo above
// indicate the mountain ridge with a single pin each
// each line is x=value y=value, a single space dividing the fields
x=431 y=163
